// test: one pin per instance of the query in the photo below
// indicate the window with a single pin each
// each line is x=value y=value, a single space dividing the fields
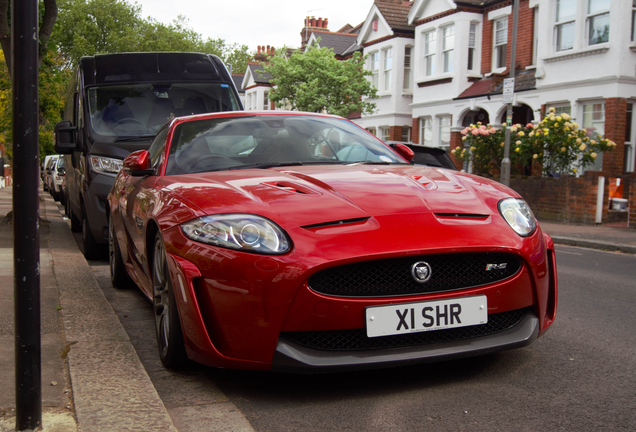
x=385 y=133
x=535 y=35
x=407 y=68
x=629 y=142
x=426 y=131
x=448 y=45
x=429 y=52
x=388 y=65
x=444 y=131
x=375 y=65
x=594 y=120
x=633 y=20
x=594 y=124
x=565 y=24
x=406 y=134
x=564 y=109
x=249 y=101
x=371 y=130
x=598 y=21
x=266 y=101
x=501 y=43
x=472 y=36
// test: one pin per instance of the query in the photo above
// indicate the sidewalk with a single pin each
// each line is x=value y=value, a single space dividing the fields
x=83 y=342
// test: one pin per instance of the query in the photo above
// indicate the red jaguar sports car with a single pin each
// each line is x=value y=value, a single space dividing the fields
x=300 y=242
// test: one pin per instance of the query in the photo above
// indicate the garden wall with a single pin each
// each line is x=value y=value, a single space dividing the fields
x=571 y=199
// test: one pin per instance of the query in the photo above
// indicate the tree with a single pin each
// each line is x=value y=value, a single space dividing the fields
x=89 y=27
x=48 y=15
x=316 y=81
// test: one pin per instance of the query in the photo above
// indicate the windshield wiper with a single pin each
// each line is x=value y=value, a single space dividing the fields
x=374 y=163
x=135 y=138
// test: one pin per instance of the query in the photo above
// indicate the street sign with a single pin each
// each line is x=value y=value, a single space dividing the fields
x=509 y=90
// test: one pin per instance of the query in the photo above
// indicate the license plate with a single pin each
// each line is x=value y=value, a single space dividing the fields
x=426 y=316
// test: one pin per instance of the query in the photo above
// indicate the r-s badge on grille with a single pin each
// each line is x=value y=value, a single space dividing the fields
x=496 y=266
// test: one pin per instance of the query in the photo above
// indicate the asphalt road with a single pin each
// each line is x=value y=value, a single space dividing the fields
x=578 y=377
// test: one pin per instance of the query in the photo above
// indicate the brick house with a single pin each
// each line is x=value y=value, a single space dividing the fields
x=576 y=56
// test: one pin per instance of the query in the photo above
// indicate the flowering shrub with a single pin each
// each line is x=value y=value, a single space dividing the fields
x=556 y=143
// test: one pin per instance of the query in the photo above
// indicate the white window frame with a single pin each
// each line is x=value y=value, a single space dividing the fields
x=384 y=133
x=266 y=105
x=535 y=36
x=448 y=46
x=387 y=66
x=406 y=129
x=585 y=124
x=374 y=66
x=561 y=23
x=372 y=130
x=629 y=138
x=408 y=51
x=633 y=38
x=426 y=130
x=472 y=46
x=496 y=47
x=430 y=50
x=592 y=15
x=444 y=129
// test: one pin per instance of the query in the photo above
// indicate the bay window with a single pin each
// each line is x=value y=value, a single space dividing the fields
x=598 y=21
x=448 y=45
x=429 y=52
x=565 y=26
x=388 y=66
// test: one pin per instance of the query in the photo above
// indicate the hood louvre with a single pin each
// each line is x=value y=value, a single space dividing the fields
x=336 y=223
x=461 y=215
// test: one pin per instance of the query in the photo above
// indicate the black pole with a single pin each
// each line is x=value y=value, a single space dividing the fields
x=26 y=243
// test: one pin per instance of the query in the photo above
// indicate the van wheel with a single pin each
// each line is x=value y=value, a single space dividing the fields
x=92 y=250
x=118 y=275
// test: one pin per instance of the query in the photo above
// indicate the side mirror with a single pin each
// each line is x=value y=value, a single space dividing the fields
x=404 y=151
x=138 y=163
x=65 y=137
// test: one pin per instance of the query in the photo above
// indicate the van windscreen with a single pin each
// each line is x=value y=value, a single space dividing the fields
x=138 y=110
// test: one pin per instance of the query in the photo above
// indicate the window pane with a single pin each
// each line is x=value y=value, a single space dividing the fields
x=449 y=38
x=471 y=56
x=566 y=10
x=628 y=122
x=501 y=31
x=599 y=29
x=594 y=120
x=595 y=6
x=444 y=131
x=565 y=36
x=500 y=52
x=448 y=61
x=471 y=35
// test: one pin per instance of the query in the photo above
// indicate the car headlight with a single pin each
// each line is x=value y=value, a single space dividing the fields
x=101 y=164
x=238 y=231
x=518 y=215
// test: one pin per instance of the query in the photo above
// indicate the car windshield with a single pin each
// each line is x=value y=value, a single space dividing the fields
x=265 y=141
x=120 y=112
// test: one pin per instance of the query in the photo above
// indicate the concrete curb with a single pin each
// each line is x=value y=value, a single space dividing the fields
x=593 y=244
x=111 y=389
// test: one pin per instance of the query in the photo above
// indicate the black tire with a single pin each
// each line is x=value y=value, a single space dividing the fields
x=92 y=249
x=76 y=225
x=118 y=274
x=167 y=323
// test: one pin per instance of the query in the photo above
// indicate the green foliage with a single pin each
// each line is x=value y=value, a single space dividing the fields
x=556 y=144
x=316 y=81
x=88 y=27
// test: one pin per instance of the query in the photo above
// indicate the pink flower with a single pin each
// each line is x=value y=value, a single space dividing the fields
x=529 y=125
x=475 y=131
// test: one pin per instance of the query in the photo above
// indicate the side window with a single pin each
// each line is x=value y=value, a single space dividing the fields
x=157 y=147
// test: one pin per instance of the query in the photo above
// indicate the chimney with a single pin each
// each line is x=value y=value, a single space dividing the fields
x=324 y=23
x=319 y=22
x=273 y=51
x=312 y=22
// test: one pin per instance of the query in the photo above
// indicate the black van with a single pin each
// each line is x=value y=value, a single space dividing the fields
x=115 y=104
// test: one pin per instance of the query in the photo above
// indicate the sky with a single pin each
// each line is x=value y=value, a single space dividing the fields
x=255 y=22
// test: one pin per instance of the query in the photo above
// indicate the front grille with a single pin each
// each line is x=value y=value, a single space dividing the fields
x=357 y=340
x=392 y=277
